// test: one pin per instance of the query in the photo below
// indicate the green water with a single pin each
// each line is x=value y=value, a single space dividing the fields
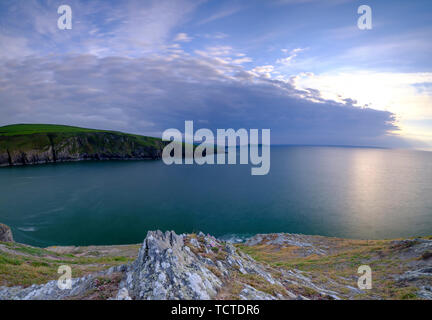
x=345 y=192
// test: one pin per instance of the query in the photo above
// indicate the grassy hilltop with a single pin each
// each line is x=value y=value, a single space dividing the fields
x=18 y=130
x=25 y=129
x=44 y=143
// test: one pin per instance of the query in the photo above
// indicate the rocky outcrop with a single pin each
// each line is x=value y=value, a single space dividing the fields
x=306 y=244
x=79 y=288
x=42 y=148
x=167 y=269
x=171 y=266
x=5 y=233
x=286 y=266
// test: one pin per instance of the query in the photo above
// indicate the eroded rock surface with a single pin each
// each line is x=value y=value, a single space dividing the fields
x=5 y=233
x=80 y=288
x=171 y=266
x=284 y=266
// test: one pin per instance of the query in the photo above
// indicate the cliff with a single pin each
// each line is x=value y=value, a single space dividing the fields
x=198 y=266
x=37 y=144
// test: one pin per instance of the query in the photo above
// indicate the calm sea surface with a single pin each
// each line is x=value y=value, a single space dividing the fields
x=343 y=192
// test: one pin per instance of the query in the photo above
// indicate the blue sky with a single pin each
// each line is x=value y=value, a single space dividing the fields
x=299 y=67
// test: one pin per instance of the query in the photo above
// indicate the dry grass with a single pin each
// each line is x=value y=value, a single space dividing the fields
x=338 y=269
x=24 y=265
x=103 y=288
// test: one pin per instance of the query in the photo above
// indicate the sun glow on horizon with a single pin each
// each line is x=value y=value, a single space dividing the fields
x=407 y=95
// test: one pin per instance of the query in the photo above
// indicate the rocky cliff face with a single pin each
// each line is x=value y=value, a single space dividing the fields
x=59 y=147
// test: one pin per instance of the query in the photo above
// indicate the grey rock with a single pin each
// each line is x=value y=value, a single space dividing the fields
x=194 y=242
x=48 y=291
x=51 y=291
x=230 y=248
x=5 y=233
x=123 y=294
x=250 y=293
x=425 y=293
x=413 y=275
x=165 y=269
x=286 y=239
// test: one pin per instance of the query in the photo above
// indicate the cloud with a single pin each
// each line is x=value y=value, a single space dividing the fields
x=291 y=55
x=242 y=60
x=148 y=95
x=13 y=47
x=224 y=54
x=216 y=35
x=98 y=27
x=219 y=50
x=328 y=2
x=404 y=94
x=226 y=12
x=182 y=37
x=398 y=92
x=263 y=70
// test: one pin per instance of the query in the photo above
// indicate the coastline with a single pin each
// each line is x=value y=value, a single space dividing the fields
x=55 y=144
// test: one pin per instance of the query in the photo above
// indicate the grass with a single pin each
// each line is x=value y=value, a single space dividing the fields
x=24 y=265
x=340 y=267
x=25 y=129
x=5 y=259
x=31 y=250
x=31 y=129
x=260 y=283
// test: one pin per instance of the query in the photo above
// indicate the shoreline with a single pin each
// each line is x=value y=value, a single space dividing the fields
x=231 y=238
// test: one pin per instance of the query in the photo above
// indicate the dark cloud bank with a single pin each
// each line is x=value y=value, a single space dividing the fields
x=151 y=94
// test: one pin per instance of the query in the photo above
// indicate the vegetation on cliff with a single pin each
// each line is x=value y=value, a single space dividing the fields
x=41 y=143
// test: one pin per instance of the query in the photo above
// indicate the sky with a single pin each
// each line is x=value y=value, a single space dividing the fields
x=301 y=68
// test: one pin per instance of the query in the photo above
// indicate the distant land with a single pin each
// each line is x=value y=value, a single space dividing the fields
x=26 y=144
x=29 y=144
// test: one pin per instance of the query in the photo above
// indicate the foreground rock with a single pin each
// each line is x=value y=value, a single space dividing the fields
x=171 y=266
x=81 y=288
x=5 y=233
x=284 y=266
x=167 y=269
